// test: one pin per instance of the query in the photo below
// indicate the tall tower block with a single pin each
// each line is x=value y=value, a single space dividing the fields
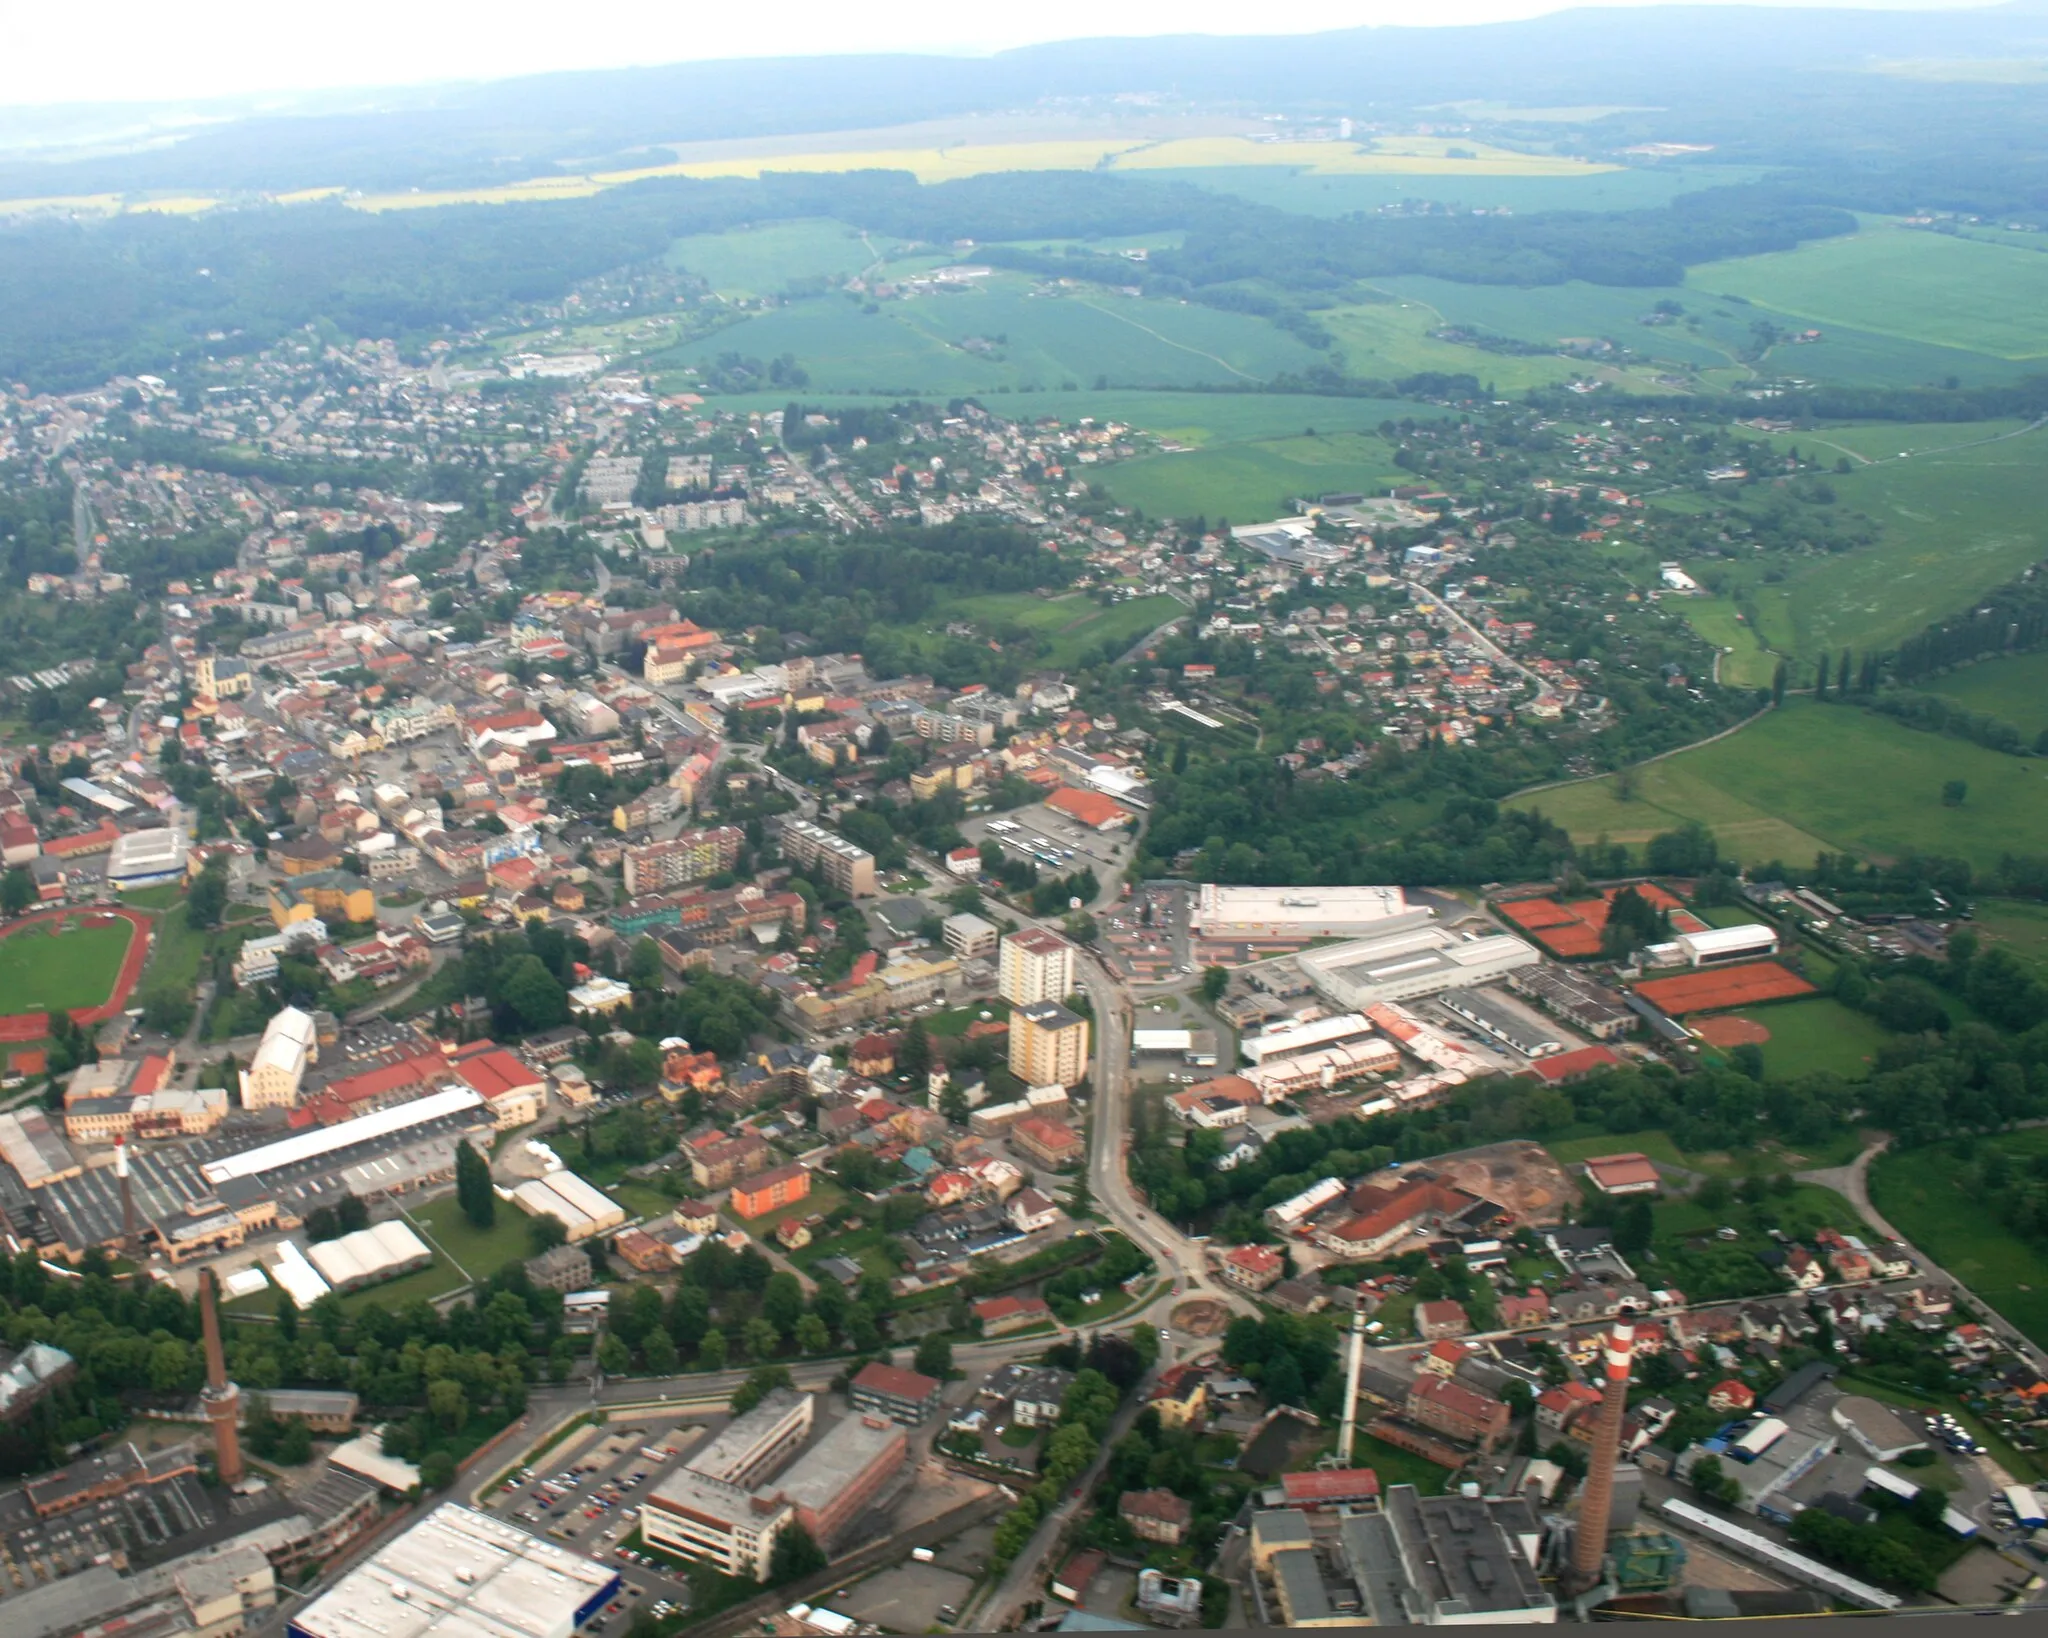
x=131 y=1247
x=222 y=1399
x=1596 y=1502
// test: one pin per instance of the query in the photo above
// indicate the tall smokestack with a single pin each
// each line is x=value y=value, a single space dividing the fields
x=130 y=1246
x=1347 y=1444
x=1596 y=1503
x=223 y=1400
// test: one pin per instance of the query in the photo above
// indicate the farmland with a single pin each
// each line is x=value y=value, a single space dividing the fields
x=1391 y=339
x=1901 y=282
x=1004 y=337
x=1810 y=777
x=1326 y=193
x=1250 y=482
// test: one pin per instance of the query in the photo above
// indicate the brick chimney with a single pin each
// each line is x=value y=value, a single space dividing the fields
x=222 y=1399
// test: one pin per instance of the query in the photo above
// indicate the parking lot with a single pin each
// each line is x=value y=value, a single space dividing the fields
x=1055 y=843
x=585 y=1494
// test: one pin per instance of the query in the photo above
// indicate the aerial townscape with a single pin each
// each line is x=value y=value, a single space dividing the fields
x=1192 y=834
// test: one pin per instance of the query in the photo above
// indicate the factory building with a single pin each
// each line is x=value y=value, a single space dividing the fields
x=460 y=1571
x=1406 y=965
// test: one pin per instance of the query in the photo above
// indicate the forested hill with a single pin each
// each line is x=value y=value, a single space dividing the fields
x=81 y=301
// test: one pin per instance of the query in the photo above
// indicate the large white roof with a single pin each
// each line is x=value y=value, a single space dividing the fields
x=310 y=1145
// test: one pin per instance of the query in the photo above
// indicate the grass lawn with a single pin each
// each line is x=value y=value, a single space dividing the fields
x=1810 y=777
x=1817 y=1032
x=482 y=1252
x=1924 y=1194
x=176 y=952
x=1656 y=1146
x=642 y=1199
x=2012 y=687
x=1901 y=282
x=867 y=1246
x=42 y=970
x=160 y=897
x=1017 y=1437
x=1071 y=626
x=1397 y=1466
x=954 y=1020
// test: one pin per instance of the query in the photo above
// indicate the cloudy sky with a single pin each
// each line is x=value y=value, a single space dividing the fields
x=150 y=50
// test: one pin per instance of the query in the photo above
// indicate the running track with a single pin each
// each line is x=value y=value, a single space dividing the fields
x=33 y=1026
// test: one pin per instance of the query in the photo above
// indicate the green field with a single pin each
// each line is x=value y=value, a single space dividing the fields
x=1922 y=1194
x=42 y=971
x=2013 y=688
x=1745 y=661
x=1004 y=336
x=1547 y=314
x=1812 y=777
x=1391 y=339
x=1251 y=482
x=1817 y=1033
x=1959 y=517
x=764 y=260
x=1903 y=282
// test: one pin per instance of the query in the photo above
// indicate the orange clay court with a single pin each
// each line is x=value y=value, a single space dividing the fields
x=1724 y=987
x=1729 y=1032
x=1570 y=930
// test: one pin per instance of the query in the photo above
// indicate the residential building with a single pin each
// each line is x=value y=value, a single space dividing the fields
x=1156 y=1515
x=1035 y=966
x=1049 y=1142
x=1251 y=1268
x=693 y=856
x=811 y=848
x=968 y=936
x=561 y=1268
x=1451 y=1408
x=998 y=1316
x=770 y=1191
x=1048 y=1045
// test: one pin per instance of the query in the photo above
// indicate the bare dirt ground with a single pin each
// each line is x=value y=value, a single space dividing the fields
x=1519 y=1175
x=1202 y=1318
x=1730 y=1031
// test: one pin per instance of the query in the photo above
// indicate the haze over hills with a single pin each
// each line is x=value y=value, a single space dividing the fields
x=1703 y=69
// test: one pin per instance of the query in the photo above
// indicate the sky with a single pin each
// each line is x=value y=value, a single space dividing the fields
x=151 y=51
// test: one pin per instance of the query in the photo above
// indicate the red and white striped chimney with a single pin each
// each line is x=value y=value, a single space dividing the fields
x=1596 y=1502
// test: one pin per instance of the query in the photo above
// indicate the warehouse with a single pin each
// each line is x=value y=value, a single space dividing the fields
x=143 y=858
x=1227 y=913
x=1718 y=946
x=580 y=1208
x=1287 y=1039
x=1514 y=1030
x=839 y=1477
x=1593 y=1007
x=459 y=1571
x=1403 y=966
x=381 y=1252
x=330 y=1140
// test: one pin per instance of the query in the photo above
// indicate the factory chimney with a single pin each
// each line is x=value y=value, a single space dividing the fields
x=223 y=1400
x=131 y=1247
x=1347 y=1443
x=1596 y=1502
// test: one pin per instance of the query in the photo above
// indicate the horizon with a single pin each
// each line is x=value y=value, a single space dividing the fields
x=147 y=46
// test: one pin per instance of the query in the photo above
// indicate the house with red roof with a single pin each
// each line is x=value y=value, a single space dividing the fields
x=515 y=1092
x=1252 y=1268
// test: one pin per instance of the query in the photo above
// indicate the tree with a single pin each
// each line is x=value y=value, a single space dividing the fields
x=935 y=1357
x=447 y=1403
x=711 y=1352
x=613 y=1357
x=473 y=1190
x=546 y=1231
x=1953 y=792
x=1633 y=1227
x=953 y=1104
x=207 y=899
x=782 y=1302
x=812 y=1336
x=914 y=1056
x=287 y=1317
x=795 y=1556
x=659 y=1351
x=1778 y=684
x=1215 y=980
x=437 y=1470
x=761 y=1381
x=535 y=997
x=17 y=891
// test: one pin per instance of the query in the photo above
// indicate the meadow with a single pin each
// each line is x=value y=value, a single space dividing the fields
x=1251 y=482
x=1903 y=282
x=1959 y=516
x=1391 y=339
x=42 y=971
x=1809 y=777
x=1071 y=625
x=2012 y=687
x=2019 y=924
x=1004 y=336
x=1924 y=1194
x=1745 y=661
x=764 y=260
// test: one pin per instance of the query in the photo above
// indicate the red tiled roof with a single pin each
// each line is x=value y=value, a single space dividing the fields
x=894 y=1380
